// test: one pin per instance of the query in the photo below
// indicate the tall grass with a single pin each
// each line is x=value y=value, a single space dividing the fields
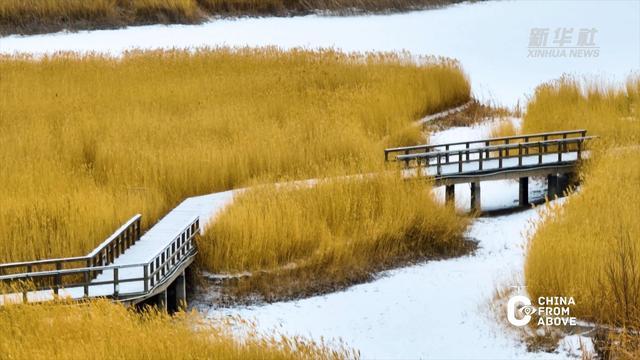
x=87 y=141
x=610 y=111
x=589 y=248
x=333 y=232
x=33 y=16
x=103 y=330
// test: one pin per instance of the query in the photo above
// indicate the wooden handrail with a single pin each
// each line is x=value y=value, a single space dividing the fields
x=557 y=146
x=132 y=223
x=181 y=247
x=506 y=139
x=119 y=241
x=494 y=148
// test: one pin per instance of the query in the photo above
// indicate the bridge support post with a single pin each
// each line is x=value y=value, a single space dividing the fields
x=553 y=186
x=475 y=196
x=162 y=300
x=450 y=195
x=523 y=193
x=181 y=291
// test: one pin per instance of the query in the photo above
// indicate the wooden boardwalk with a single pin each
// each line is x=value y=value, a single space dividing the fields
x=132 y=267
x=127 y=267
x=552 y=154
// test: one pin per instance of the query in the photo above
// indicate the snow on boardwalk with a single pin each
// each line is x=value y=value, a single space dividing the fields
x=163 y=233
x=143 y=251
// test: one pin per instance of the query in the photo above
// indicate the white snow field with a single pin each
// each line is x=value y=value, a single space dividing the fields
x=491 y=39
x=435 y=310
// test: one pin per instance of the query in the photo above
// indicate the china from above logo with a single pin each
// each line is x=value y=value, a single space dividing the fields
x=549 y=310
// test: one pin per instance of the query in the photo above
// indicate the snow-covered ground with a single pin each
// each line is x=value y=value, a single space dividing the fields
x=434 y=310
x=439 y=309
x=491 y=39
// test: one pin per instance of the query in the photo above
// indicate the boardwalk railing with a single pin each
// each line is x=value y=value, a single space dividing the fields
x=505 y=140
x=122 y=239
x=482 y=155
x=97 y=279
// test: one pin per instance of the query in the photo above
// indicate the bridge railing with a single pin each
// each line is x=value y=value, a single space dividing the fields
x=481 y=155
x=182 y=246
x=505 y=140
x=70 y=279
x=81 y=280
x=123 y=238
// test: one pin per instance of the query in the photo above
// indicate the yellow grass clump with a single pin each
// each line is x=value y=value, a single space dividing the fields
x=609 y=111
x=589 y=248
x=88 y=141
x=33 y=16
x=334 y=231
x=503 y=128
x=103 y=330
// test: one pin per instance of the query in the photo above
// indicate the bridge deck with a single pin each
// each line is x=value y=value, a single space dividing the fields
x=131 y=263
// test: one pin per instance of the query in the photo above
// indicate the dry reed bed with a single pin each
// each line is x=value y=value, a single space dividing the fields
x=88 y=141
x=589 y=247
x=303 y=239
x=103 y=330
x=35 y=16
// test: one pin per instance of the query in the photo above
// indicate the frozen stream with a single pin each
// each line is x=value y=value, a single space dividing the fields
x=490 y=39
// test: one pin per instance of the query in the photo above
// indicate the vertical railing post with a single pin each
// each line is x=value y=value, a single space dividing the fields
x=57 y=278
x=438 y=168
x=539 y=153
x=460 y=161
x=88 y=265
x=500 y=158
x=480 y=160
x=467 y=147
x=145 y=270
x=526 y=149
x=116 y=282
x=579 y=149
x=519 y=154
x=138 y=230
x=446 y=148
x=86 y=278
x=151 y=273
x=559 y=152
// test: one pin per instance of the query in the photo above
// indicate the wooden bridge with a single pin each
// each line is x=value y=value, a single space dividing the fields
x=134 y=268
x=128 y=267
x=551 y=154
